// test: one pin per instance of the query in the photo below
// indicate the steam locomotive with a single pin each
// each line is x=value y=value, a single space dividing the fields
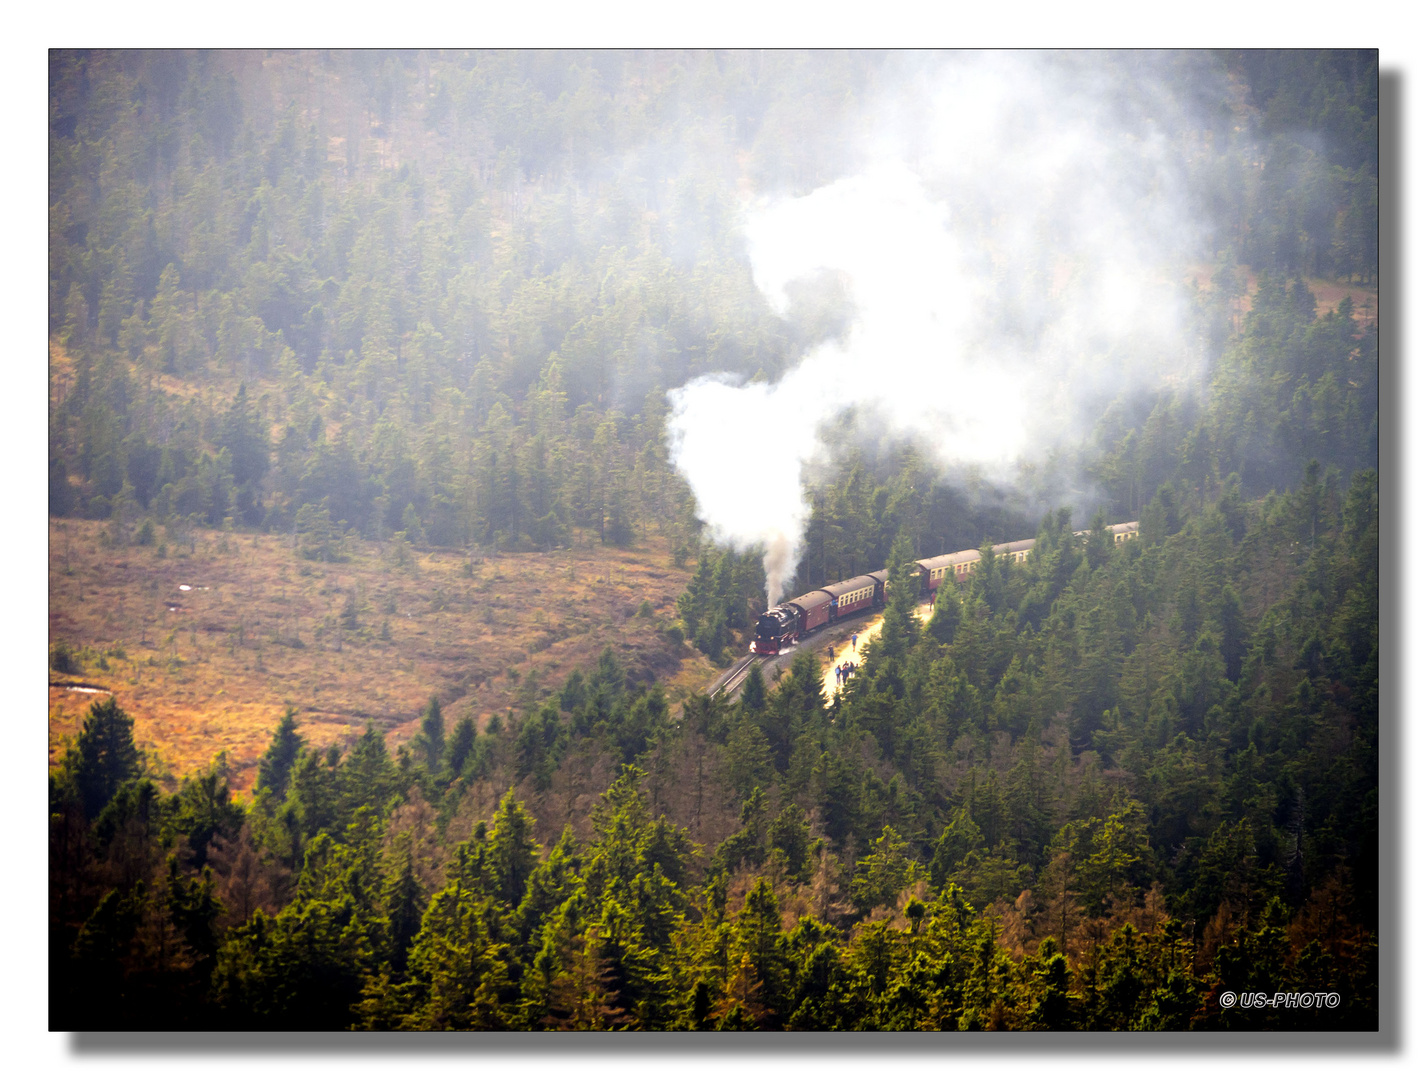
x=780 y=627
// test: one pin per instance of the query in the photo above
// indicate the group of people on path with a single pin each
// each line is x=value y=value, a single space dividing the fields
x=847 y=668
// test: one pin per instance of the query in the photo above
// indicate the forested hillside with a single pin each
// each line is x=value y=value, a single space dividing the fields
x=443 y=294
x=1097 y=790
x=401 y=326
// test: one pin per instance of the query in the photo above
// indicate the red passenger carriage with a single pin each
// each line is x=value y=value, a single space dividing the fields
x=779 y=627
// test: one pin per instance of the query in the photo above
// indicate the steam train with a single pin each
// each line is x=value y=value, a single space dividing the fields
x=780 y=627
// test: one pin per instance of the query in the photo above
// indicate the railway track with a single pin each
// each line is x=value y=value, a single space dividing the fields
x=732 y=680
x=953 y=567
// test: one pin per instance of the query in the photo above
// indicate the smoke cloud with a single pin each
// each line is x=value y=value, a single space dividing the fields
x=1012 y=245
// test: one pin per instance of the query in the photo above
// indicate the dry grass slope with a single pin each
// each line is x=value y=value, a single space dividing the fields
x=210 y=668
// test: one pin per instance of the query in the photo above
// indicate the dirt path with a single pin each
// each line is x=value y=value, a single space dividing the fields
x=845 y=650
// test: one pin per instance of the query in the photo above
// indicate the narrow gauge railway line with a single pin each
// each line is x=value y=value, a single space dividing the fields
x=731 y=681
x=806 y=619
x=792 y=621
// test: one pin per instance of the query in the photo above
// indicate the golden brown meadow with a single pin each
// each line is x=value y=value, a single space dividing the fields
x=210 y=668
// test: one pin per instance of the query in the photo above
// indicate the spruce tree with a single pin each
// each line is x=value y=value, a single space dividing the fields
x=899 y=628
x=104 y=755
x=367 y=776
x=275 y=766
x=946 y=614
x=460 y=745
x=754 y=694
x=402 y=903
x=430 y=742
x=513 y=852
x=693 y=604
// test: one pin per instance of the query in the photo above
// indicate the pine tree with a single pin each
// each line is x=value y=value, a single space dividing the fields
x=746 y=847
x=1052 y=1010
x=104 y=756
x=946 y=613
x=754 y=695
x=958 y=839
x=884 y=872
x=430 y=741
x=206 y=810
x=789 y=834
x=242 y=433
x=899 y=627
x=367 y=776
x=460 y=745
x=696 y=600
x=275 y=766
x=402 y=904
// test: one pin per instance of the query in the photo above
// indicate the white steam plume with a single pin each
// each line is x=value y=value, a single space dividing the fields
x=1010 y=249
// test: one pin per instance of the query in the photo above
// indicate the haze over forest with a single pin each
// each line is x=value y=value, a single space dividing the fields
x=484 y=399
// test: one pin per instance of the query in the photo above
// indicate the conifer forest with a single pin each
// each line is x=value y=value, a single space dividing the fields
x=482 y=402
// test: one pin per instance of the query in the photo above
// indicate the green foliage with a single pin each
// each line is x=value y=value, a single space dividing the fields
x=538 y=746
x=719 y=599
x=899 y=628
x=351 y=342
x=204 y=810
x=884 y=872
x=430 y=741
x=63 y=658
x=104 y=756
x=275 y=766
x=1103 y=784
x=946 y=614
x=755 y=693
x=460 y=745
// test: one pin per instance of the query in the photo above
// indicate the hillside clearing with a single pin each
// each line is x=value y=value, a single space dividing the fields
x=206 y=642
